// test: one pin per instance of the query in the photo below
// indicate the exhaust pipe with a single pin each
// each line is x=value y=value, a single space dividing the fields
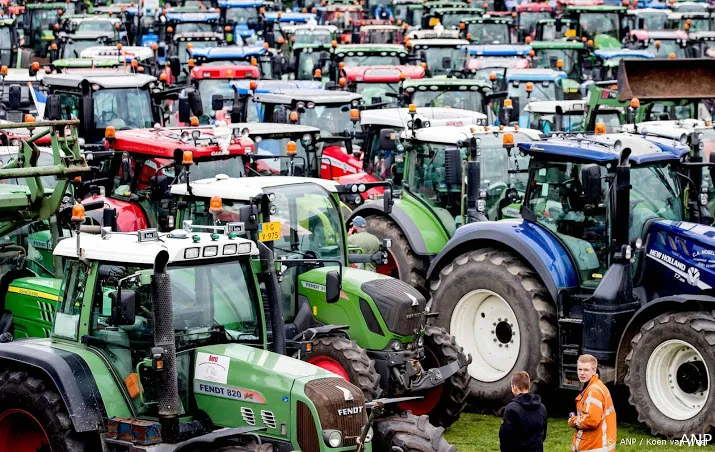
x=167 y=379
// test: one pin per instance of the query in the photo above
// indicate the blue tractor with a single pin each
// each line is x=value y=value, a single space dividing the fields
x=601 y=262
x=243 y=18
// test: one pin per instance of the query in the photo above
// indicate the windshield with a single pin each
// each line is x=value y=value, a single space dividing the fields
x=547 y=58
x=528 y=20
x=654 y=193
x=332 y=120
x=232 y=166
x=451 y=20
x=122 y=108
x=44 y=19
x=599 y=23
x=96 y=25
x=467 y=100
x=184 y=55
x=209 y=87
x=376 y=92
x=546 y=90
x=313 y=37
x=308 y=61
x=571 y=122
x=696 y=24
x=441 y=60
x=376 y=36
x=371 y=60
x=488 y=33
x=73 y=49
x=667 y=46
x=653 y=22
x=242 y=15
x=277 y=147
x=193 y=27
x=5 y=40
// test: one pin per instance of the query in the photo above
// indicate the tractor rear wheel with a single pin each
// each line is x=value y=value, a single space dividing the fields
x=498 y=309
x=345 y=358
x=444 y=403
x=409 y=433
x=33 y=416
x=671 y=366
x=402 y=262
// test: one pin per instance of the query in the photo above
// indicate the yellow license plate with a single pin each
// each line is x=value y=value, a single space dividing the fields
x=267 y=232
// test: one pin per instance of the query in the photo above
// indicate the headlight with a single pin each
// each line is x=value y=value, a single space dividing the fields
x=684 y=139
x=307 y=138
x=191 y=253
x=230 y=249
x=333 y=438
x=396 y=346
x=368 y=437
x=211 y=251
x=700 y=136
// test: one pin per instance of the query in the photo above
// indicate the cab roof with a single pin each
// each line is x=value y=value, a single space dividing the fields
x=289 y=17
x=499 y=50
x=129 y=52
x=534 y=75
x=245 y=188
x=549 y=106
x=608 y=54
x=87 y=36
x=235 y=51
x=126 y=247
x=558 y=44
x=415 y=84
x=268 y=86
x=318 y=96
x=382 y=73
x=604 y=148
x=451 y=135
x=239 y=3
x=163 y=142
x=104 y=80
x=226 y=71
x=644 y=35
x=438 y=42
x=265 y=129
x=178 y=16
x=347 y=49
x=437 y=116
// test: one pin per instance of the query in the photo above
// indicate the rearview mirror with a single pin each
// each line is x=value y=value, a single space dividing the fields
x=387 y=140
x=453 y=166
x=591 y=181
x=387 y=200
x=332 y=286
x=123 y=307
x=216 y=102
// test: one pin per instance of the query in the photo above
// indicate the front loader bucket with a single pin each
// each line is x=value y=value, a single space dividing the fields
x=666 y=79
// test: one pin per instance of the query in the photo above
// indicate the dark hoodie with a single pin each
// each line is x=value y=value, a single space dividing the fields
x=524 y=425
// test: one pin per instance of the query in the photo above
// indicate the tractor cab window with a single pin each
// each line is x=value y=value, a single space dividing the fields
x=193 y=27
x=549 y=57
x=442 y=60
x=104 y=26
x=556 y=198
x=308 y=62
x=489 y=33
x=543 y=90
x=208 y=87
x=601 y=23
x=377 y=92
x=528 y=20
x=66 y=324
x=277 y=147
x=371 y=60
x=69 y=105
x=467 y=100
x=330 y=119
x=241 y=15
x=6 y=44
x=655 y=193
x=501 y=172
x=183 y=55
x=122 y=108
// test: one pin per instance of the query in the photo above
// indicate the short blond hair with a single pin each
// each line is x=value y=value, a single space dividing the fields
x=588 y=359
x=520 y=379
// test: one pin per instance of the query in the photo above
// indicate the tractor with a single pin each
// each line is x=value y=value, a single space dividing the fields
x=374 y=334
x=600 y=263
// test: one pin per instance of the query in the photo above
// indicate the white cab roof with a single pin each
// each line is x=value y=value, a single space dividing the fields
x=245 y=188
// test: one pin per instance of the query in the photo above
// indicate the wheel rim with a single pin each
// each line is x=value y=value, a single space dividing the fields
x=430 y=398
x=486 y=326
x=677 y=379
x=21 y=432
x=329 y=364
x=391 y=268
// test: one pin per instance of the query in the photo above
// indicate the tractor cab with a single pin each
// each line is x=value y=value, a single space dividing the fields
x=368 y=33
x=553 y=29
x=450 y=18
x=244 y=108
x=353 y=55
x=40 y=22
x=308 y=48
x=527 y=85
x=650 y=19
x=16 y=100
x=692 y=22
x=380 y=85
x=343 y=16
x=702 y=44
x=569 y=116
x=528 y=15
x=274 y=21
x=71 y=45
x=96 y=23
x=489 y=30
x=662 y=44
x=605 y=25
x=485 y=60
x=690 y=7
x=380 y=9
x=183 y=45
x=268 y=65
x=606 y=62
x=442 y=56
x=409 y=11
x=566 y=56
x=243 y=18
x=189 y=20
x=215 y=82
x=10 y=52
x=465 y=94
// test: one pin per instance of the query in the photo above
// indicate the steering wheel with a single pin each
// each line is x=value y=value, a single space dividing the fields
x=643 y=199
x=496 y=189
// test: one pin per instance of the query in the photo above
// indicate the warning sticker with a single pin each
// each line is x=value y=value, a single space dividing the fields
x=228 y=392
x=212 y=367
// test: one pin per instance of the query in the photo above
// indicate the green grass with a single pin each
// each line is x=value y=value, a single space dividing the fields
x=480 y=433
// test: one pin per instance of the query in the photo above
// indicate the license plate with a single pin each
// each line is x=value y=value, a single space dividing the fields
x=268 y=232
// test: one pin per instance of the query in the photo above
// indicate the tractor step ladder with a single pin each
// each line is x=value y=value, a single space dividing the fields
x=570 y=333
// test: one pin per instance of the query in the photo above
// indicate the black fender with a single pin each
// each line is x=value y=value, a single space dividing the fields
x=403 y=221
x=559 y=274
x=654 y=308
x=71 y=376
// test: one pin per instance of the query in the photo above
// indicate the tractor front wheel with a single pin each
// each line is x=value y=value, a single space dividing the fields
x=345 y=358
x=444 y=403
x=33 y=416
x=499 y=310
x=406 y=432
x=671 y=367
x=402 y=262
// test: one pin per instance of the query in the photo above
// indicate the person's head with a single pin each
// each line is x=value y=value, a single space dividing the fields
x=520 y=383
x=359 y=224
x=586 y=367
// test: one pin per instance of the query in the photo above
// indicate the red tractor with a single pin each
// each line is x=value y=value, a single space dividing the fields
x=214 y=85
x=380 y=85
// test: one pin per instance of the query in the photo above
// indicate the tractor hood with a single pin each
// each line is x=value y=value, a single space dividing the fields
x=680 y=257
x=224 y=373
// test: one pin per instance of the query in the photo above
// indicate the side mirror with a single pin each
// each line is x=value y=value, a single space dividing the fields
x=123 y=307
x=175 y=66
x=53 y=109
x=249 y=216
x=446 y=63
x=591 y=181
x=87 y=112
x=332 y=286
x=184 y=110
x=277 y=66
x=195 y=103
x=387 y=140
x=14 y=96
x=453 y=166
x=216 y=102
x=387 y=201
x=559 y=119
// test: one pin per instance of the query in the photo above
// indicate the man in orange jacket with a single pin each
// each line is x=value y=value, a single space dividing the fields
x=595 y=420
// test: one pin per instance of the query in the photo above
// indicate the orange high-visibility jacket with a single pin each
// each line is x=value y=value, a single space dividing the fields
x=595 y=420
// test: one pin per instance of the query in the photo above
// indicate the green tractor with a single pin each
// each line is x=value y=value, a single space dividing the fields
x=40 y=23
x=374 y=333
x=601 y=23
x=434 y=201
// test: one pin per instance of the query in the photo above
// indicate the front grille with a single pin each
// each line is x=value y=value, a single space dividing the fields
x=401 y=305
x=307 y=432
x=268 y=419
x=248 y=416
x=335 y=412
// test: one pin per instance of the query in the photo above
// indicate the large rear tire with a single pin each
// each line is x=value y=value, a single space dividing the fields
x=409 y=433
x=671 y=369
x=403 y=262
x=33 y=417
x=345 y=358
x=498 y=309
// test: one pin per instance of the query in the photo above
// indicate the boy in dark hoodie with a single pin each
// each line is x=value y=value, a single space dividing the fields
x=524 y=425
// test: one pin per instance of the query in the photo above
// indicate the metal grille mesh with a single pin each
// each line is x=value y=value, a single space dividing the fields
x=168 y=394
x=334 y=411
